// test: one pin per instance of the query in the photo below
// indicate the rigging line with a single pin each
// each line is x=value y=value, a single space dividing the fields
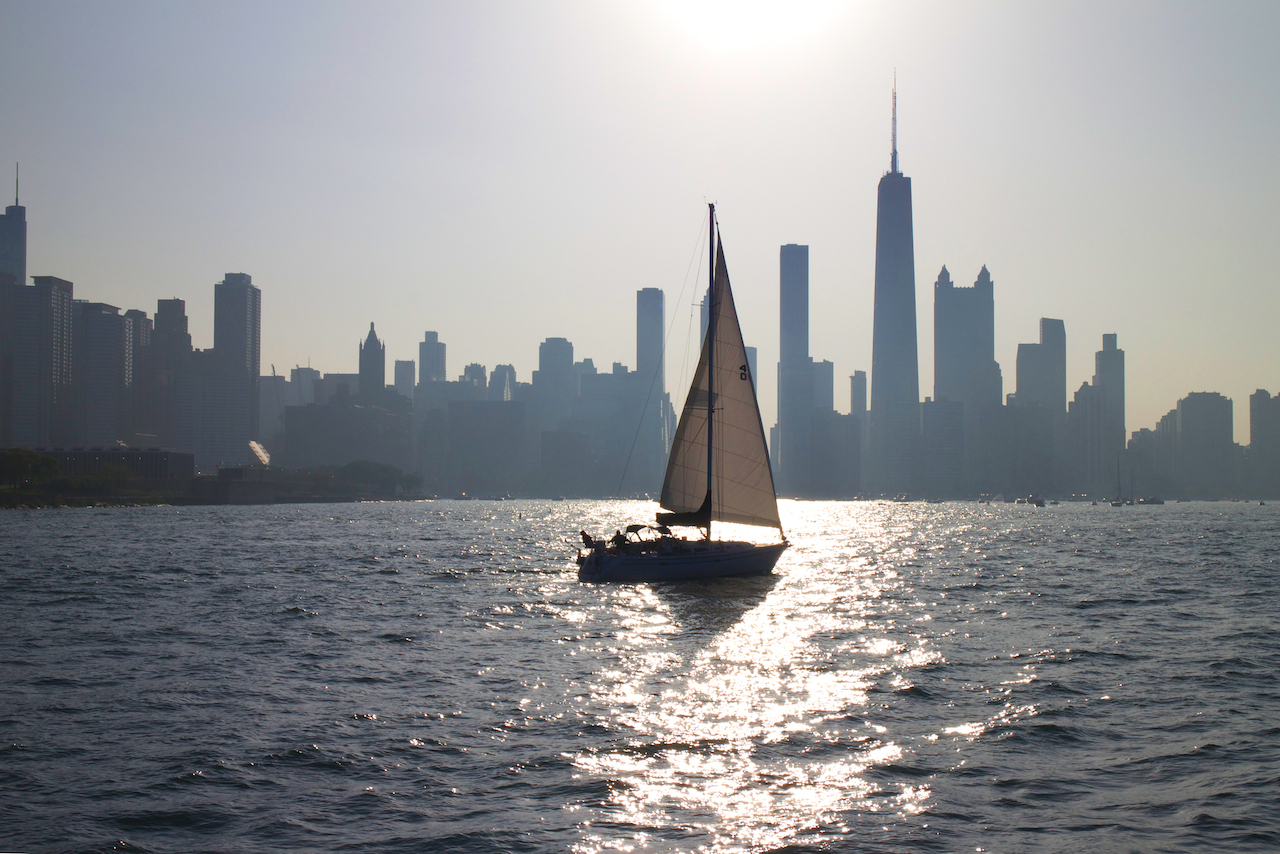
x=662 y=366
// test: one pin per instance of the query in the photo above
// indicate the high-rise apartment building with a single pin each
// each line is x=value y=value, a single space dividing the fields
x=795 y=373
x=40 y=415
x=895 y=374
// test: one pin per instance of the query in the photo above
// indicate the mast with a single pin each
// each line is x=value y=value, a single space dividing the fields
x=711 y=359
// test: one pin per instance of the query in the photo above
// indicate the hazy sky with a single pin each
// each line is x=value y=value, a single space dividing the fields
x=506 y=172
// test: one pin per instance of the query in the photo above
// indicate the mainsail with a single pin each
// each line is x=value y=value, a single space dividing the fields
x=742 y=482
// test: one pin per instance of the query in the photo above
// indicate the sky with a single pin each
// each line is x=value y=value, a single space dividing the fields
x=505 y=172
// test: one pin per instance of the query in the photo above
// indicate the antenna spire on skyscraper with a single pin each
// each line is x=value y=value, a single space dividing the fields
x=893 y=158
x=15 y=185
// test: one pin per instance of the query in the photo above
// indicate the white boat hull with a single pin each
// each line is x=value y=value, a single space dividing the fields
x=683 y=561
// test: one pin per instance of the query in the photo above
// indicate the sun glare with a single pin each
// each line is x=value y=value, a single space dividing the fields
x=735 y=25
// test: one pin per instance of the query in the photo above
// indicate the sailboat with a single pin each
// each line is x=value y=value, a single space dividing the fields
x=718 y=469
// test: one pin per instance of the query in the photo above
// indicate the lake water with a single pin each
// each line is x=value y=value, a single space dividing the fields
x=432 y=677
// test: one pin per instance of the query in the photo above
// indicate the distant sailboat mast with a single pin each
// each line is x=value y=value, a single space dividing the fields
x=711 y=357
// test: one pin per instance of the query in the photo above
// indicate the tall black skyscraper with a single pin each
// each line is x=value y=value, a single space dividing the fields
x=795 y=372
x=895 y=374
x=13 y=275
x=13 y=240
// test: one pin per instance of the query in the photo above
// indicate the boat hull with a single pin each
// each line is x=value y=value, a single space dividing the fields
x=688 y=561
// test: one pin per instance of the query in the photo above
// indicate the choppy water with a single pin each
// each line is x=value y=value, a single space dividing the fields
x=432 y=677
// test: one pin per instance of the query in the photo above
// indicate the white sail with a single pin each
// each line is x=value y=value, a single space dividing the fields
x=742 y=484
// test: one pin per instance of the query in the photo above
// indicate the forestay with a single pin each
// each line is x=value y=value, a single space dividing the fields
x=742 y=483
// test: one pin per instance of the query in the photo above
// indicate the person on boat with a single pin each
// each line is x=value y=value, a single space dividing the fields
x=587 y=540
x=618 y=540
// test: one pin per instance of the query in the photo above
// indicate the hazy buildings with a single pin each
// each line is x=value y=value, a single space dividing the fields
x=895 y=376
x=795 y=373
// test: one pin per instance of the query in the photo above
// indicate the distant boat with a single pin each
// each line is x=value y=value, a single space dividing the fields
x=718 y=469
x=1151 y=499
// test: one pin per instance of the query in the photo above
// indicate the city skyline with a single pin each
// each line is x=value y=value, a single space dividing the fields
x=1115 y=177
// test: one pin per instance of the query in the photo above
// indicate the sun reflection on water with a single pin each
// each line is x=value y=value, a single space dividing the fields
x=744 y=718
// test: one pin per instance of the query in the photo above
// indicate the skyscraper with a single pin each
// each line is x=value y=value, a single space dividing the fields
x=42 y=337
x=405 y=377
x=895 y=374
x=101 y=367
x=234 y=372
x=965 y=372
x=13 y=240
x=13 y=275
x=1108 y=377
x=555 y=384
x=651 y=441
x=1042 y=368
x=171 y=355
x=650 y=314
x=964 y=342
x=795 y=372
x=431 y=364
x=373 y=367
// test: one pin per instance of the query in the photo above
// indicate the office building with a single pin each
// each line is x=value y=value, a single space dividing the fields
x=1042 y=369
x=405 y=377
x=895 y=375
x=555 y=383
x=431 y=362
x=964 y=336
x=373 y=368
x=795 y=373
x=237 y=345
